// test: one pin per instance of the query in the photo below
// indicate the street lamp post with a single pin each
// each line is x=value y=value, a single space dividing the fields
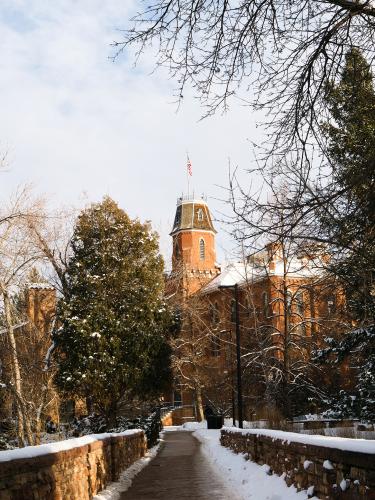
x=238 y=354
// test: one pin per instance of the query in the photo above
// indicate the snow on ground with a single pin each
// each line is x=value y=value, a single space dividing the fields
x=247 y=479
x=256 y=424
x=114 y=490
x=68 y=444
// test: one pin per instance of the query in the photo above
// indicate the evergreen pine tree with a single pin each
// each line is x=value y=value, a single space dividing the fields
x=351 y=152
x=351 y=226
x=112 y=342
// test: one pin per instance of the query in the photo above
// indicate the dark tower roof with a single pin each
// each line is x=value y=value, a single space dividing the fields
x=192 y=213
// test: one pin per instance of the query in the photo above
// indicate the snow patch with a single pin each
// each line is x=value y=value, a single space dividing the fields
x=328 y=465
x=306 y=464
x=343 y=485
x=193 y=426
x=310 y=491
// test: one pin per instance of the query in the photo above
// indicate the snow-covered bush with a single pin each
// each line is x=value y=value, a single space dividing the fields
x=96 y=424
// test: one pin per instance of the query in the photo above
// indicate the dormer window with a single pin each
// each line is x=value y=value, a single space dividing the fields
x=202 y=249
x=200 y=214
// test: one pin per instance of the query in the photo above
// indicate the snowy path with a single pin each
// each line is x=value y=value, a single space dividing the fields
x=249 y=480
x=179 y=471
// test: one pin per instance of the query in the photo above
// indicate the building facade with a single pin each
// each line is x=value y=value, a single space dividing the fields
x=286 y=305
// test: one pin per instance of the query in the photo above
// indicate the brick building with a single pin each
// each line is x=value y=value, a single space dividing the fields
x=286 y=305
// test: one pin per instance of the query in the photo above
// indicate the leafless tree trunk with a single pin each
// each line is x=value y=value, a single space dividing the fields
x=199 y=403
x=15 y=368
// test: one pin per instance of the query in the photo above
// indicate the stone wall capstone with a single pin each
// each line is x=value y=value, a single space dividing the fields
x=77 y=473
x=330 y=473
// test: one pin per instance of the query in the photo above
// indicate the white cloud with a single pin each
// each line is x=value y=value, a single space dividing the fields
x=76 y=122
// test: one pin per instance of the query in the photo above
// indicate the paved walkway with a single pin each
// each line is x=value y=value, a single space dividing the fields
x=178 y=471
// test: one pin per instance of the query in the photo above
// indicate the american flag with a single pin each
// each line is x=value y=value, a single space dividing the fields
x=189 y=167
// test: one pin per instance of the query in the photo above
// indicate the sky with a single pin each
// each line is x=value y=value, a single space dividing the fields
x=77 y=125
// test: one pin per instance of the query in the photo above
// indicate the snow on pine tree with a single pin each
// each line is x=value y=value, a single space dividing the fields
x=350 y=225
x=112 y=344
x=358 y=347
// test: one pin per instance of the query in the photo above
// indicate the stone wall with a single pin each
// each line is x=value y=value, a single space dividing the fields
x=76 y=474
x=179 y=416
x=328 y=472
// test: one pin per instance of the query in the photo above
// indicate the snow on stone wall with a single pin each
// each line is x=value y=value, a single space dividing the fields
x=75 y=469
x=324 y=466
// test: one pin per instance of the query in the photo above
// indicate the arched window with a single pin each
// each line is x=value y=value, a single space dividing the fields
x=289 y=299
x=300 y=306
x=217 y=314
x=202 y=249
x=177 y=251
x=300 y=314
x=248 y=308
x=200 y=214
x=215 y=345
x=331 y=305
x=265 y=304
x=233 y=311
x=214 y=313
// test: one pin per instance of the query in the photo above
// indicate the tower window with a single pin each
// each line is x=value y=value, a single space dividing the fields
x=177 y=250
x=200 y=214
x=202 y=249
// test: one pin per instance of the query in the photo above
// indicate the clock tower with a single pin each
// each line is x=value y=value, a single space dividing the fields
x=194 y=255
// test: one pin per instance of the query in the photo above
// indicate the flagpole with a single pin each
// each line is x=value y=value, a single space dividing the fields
x=187 y=175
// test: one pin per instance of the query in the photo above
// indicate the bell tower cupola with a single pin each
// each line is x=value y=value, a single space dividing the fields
x=193 y=233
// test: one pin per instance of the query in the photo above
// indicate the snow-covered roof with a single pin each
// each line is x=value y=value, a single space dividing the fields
x=297 y=268
x=259 y=267
x=233 y=273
